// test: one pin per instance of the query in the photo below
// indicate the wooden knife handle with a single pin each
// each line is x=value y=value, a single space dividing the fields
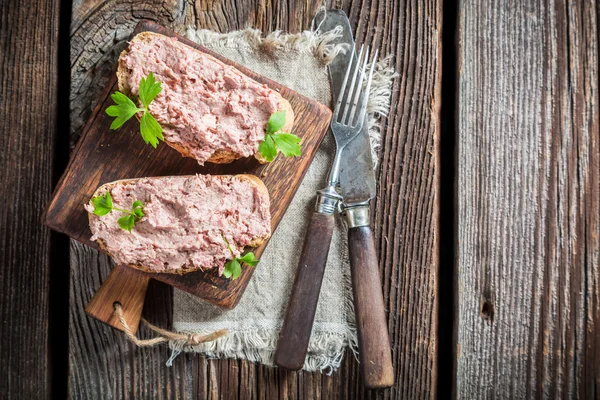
x=300 y=314
x=126 y=286
x=373 y=339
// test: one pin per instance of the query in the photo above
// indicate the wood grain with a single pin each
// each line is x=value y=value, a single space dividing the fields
x=406 y=210
x=528 y=201
x=405 y=213
x=28 y=95
x=101 y=156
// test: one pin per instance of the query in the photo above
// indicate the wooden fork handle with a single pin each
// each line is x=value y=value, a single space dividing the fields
x=300 y=314
x=125 y=286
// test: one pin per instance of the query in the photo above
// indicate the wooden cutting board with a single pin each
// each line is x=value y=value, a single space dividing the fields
x=103 y=155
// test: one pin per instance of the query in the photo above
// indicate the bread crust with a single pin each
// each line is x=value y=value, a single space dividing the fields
x=219 y=156
x=254 y=180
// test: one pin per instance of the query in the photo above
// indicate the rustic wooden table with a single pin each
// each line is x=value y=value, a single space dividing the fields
x=487 y=216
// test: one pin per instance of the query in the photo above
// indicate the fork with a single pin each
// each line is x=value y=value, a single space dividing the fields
x=346 y=123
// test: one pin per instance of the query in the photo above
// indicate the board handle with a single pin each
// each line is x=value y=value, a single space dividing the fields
x=300 y=314
x=125 y=286
x=373 y=340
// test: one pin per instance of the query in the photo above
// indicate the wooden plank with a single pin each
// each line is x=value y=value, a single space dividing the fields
x=406 y=210
x=28 y=95
x=528 y=200
x=405 y=213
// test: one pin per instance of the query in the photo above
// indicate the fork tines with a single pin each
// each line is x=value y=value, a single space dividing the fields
x=355 y=98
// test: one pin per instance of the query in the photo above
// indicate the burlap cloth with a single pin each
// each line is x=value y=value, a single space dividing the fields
x=298 y=61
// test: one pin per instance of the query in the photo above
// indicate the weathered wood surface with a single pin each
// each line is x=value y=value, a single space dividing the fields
x=528 y=200
x=104 y=365
x=28 y=94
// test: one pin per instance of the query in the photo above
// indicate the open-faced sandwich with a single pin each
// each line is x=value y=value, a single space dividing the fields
x=180 y=224
x=200 y=106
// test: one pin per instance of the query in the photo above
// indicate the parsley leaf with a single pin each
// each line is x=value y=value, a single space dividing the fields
x=276 y=122
x=126 y=222
x=103 y=205
x=150 y=129
x=275 y=140
x=149 y=89
x=248 y=259
x=138 y=209
x=232 y=269
x=287 y=143
x=125 y=108
x=267 y=148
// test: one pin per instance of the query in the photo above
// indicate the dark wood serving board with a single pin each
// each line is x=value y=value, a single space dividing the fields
x=103 y=155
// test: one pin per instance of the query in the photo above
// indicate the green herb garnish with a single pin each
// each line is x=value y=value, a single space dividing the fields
x=125 y=108
x=275 y=140
x=103 y=205
x=233 y=268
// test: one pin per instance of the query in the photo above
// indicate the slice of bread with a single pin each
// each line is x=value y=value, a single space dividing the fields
x=188 y=223
x=171 y=132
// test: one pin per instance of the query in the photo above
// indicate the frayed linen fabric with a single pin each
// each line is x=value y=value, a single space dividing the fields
x=298 y=61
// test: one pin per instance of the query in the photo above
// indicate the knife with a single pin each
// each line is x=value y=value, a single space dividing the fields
x=356 y=171
x=357 y=187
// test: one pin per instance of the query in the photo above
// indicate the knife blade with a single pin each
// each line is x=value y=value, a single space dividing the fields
x=356 y=176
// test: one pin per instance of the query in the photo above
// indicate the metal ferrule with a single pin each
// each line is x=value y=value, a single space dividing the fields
x=356 y=215
x=327 y=200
